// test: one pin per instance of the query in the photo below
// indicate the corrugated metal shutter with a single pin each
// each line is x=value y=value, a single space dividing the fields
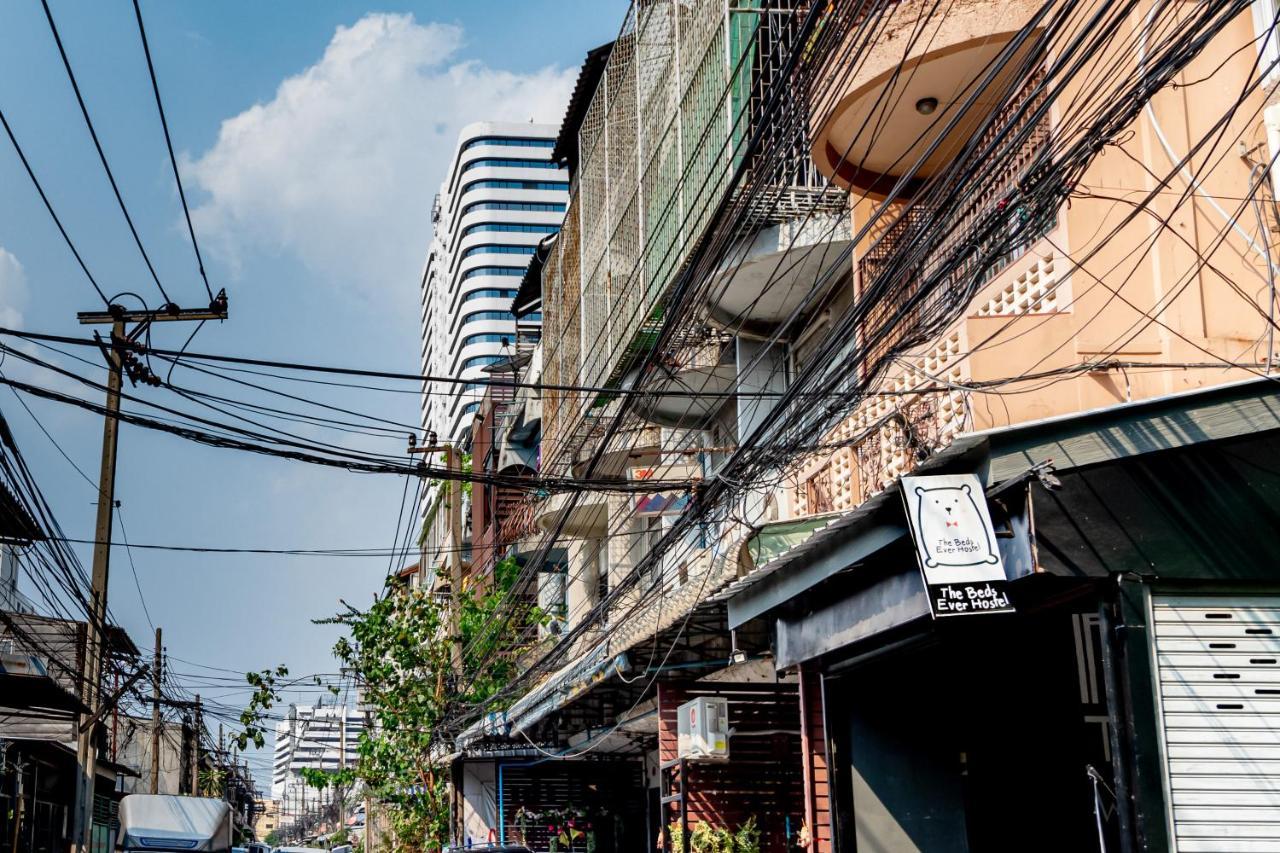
x=1218 y=665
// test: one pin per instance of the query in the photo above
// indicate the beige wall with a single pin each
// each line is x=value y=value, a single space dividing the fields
x=268 y=821
x=1112 y=291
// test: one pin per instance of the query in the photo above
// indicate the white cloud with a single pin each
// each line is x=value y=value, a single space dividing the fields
x=14 y=296
x=13 y=290
x=340 y=167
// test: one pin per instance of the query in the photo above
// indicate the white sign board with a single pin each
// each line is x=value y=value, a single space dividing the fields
x=956 y=545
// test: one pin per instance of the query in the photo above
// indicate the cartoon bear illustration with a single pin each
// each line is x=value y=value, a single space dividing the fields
x=952 y=528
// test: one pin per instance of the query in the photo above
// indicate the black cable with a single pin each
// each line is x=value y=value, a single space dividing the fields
x=173 y=160
x=48 y=206
x=102 y=157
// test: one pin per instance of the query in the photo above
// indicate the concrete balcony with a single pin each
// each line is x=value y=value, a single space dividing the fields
x=777 y=271
x=632 y=447
x=898 y=108
x=588 y=517
x=689 y=399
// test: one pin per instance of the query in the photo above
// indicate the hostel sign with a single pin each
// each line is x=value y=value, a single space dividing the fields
x=956 y=545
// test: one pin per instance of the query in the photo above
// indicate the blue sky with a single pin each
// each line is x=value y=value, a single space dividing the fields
x=313 y=137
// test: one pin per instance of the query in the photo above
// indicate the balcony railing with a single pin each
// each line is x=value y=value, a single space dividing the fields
x=893 y=319
x=684 y=88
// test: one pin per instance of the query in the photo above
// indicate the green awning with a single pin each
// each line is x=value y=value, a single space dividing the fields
x=773 y=540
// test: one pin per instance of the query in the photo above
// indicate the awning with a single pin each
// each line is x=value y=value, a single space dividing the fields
x=558 y=690
x=30 y=692
x=775 y=539
x=830 y=545
x=16 y=525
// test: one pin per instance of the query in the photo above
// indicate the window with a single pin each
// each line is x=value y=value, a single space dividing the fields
x=482 y=360
x=1264 y=17
x=477 y=271
x=512 y=141
x=512 y=227
x=818 y=492
x=498 y=249
x=509 y=163
x=487 y=315
x=490 y=293
x=533 y=206
x=499 y=184
x=602 y=570
x=486 y=338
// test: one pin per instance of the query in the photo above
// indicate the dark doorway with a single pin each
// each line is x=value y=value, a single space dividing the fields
x=979 y=738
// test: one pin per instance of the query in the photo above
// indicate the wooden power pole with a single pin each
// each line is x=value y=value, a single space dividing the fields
x=118 y=356
x=157 y=663
x=342 y=765
x=453 y=464
x=195 y=750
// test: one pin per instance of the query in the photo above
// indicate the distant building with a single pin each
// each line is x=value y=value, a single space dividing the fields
x=503 y=195
x=134 y=750
x=311 y=737
x=268 y=820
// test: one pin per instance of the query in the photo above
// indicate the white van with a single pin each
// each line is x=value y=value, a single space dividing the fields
x=159 y=822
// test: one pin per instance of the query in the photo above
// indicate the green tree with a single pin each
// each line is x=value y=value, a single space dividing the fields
x=266 y=693
x=401 y=651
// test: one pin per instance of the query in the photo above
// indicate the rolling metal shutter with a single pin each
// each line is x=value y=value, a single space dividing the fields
x=1218 y=667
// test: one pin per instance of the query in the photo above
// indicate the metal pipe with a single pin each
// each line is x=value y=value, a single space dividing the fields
x=1118 y=717
x=1256 y=186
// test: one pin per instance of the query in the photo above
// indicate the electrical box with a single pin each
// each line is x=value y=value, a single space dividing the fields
x=702 y=726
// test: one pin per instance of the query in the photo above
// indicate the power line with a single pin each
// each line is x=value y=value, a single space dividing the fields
x=102 y=156
x=173 y=160
x=48 y=206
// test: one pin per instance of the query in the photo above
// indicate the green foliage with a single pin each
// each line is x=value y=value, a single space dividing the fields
x=401 y=651
x=314 y=777
x=705 y=837
x=464 y=464
x=212 y=783
x=747 y=838
x=273 y=838
x=265 y=696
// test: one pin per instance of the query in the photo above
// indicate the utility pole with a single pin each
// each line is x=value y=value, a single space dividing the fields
x=119 y=359
x=95 y=631
x=19 y=772
x=195 y=750
x=453 y=464
x=369 y=845
x=222 y=766
x=156 y=665
x=342 y=765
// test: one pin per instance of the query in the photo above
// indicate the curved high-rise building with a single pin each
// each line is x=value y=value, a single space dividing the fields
x=501 y=197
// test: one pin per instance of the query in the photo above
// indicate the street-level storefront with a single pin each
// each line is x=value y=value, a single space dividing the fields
x=530 y=797
x=1127 y=703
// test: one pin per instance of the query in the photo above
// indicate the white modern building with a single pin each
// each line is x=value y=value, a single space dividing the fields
x=314 y=737
x=502 y=196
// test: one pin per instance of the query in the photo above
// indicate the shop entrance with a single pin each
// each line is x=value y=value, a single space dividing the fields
x=978 y=738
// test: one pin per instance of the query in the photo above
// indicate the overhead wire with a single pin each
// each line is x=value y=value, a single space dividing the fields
x=102 y=156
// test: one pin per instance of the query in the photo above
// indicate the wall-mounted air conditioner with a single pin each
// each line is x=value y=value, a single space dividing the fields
x=702 y=728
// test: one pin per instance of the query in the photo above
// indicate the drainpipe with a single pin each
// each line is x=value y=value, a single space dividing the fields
x=1119 y=713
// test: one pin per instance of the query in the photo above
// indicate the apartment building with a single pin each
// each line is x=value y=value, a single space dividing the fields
x=502 y=196
x=316 y=737
x=1021 y=251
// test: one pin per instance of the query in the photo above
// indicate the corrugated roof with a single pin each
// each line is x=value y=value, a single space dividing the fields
x=566 y=150
x=529 y=294
x=16 y=525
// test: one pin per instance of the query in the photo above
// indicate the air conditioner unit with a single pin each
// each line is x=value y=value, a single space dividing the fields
x=702 y=727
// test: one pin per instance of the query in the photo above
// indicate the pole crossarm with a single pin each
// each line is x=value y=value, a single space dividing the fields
x=110 y=701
